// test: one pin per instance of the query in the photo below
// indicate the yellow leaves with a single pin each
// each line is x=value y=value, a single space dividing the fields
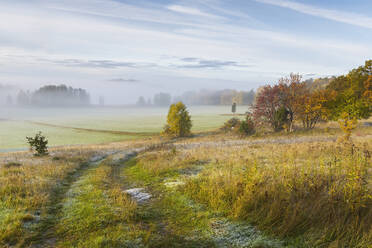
x=347 y=124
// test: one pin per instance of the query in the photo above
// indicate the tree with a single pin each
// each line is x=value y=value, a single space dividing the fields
x=162 y=99
x=23 y=98
x=101 y=101
x=38 y=144
x=351 y=94
x=178 y=121
x=233 y=108
x=351 y=98
x=141 y=101
x=267 y=103
x=311 y=108
x=292 y=92
x=54 y=95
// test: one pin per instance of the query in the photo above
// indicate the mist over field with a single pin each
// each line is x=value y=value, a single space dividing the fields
x=185 y=123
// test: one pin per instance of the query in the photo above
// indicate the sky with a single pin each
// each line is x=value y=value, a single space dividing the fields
x=122 y=49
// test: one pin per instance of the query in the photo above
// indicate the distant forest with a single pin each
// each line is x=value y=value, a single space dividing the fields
x=54 y=96
x=202 y=97
x=220 y=97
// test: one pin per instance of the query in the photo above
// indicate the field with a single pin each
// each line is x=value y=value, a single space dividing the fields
x=302 y=189
x=97 y=125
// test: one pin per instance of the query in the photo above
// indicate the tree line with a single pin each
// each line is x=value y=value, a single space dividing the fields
x=202 y=97
x=54 y=96
x=346 y=98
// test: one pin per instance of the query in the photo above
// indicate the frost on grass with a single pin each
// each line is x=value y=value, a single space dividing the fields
x=173 y=184
x=229 y=234
x=138 y=194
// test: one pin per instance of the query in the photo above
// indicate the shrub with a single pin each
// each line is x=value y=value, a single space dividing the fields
x=347 y=124
x=178 y=121
x=247 y=126
x=38 y=144
x=231 y=125
x=280 y=118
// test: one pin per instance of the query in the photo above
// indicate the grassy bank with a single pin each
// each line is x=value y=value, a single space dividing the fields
x=204 y=191
x=312 y=195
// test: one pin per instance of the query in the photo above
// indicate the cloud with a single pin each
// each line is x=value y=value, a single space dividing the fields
x=124 y=80
x=190 y=11
x=339 y=16
x=105 y=64
x=208 y=64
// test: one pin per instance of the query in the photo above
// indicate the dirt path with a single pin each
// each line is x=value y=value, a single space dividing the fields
x=160 y=216
x=45 y=234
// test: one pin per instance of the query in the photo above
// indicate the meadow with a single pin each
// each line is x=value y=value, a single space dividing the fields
x=303 y=189
x=97 y=125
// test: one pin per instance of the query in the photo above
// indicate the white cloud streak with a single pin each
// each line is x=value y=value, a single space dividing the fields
x=334 y=15
x=93 y=40
x=190 y=11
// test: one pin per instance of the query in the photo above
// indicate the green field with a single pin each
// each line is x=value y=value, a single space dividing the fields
x=67 y=126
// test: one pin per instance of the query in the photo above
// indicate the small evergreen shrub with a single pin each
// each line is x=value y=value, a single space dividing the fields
x=231 y=125
x=178 y=121
x=38 y=144
x=280 y=119
x=247 y=127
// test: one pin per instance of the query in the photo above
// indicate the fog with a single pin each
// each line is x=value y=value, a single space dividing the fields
x=121 y=50
x=61 y=95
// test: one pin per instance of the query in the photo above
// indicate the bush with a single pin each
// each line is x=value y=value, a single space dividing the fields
x=38 y=144
x=247 y=127
x=240 y=127
x=231 y=125
x=280 y=119
x=178 y=121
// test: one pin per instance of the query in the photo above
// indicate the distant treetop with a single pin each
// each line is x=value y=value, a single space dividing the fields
x=54 y=95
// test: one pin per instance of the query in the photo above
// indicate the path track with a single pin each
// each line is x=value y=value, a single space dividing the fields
x=45 y=234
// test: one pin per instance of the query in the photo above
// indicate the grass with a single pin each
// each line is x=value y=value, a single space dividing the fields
x=182 y=221
x=305 y=194
x=70 y=127
x=320 y=194
x=13 y=135
x=96 y=208
x=25 y=191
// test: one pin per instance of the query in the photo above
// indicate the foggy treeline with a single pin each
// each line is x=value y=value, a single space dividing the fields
x=6 y=94
x=202 y=97
x=53 y=96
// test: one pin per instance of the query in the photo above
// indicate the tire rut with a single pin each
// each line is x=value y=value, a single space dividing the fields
x=44 y=233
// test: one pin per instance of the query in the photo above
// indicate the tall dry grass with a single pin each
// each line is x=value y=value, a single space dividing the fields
x=316 y=194
x=321 y=193
x=26 y=184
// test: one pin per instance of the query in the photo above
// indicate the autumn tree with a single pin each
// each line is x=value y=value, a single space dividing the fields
x=352 y=97
x=311 y=108
x=178 y=121
x=292 y=94
x=269 y=100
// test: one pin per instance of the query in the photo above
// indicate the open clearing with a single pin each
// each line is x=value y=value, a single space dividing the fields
x=194 y=192
x=93 y=125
